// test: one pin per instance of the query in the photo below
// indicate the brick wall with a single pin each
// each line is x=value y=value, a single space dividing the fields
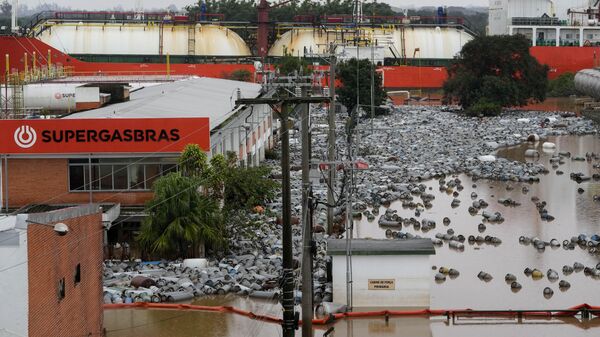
x=52 y=257
x=47 y=181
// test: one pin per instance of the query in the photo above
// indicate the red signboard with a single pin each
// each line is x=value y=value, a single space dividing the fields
x=107 y=135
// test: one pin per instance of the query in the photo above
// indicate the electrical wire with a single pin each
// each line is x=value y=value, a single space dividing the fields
x=93 y=232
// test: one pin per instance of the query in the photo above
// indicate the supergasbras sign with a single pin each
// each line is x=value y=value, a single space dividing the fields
x=117 y=135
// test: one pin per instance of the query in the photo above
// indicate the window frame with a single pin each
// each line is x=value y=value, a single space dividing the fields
x=165 y=167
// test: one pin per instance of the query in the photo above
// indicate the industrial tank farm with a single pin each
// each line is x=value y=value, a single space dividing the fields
x=425 y=42
x=215 y=40
x=144 y=39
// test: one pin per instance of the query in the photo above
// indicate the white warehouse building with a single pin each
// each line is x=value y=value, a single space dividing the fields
x=502 y=12
x=245 y=130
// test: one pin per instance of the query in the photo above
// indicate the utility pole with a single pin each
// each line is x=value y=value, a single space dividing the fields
x=288 y=269
x=349 y=225
x=286 y=103
x=331 y=140
x=373 y=42
x=307 y=289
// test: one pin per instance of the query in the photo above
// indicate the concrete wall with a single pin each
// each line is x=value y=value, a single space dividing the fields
x=411 y=273
x=13 y=280
x=47 y=181
x=52 y=258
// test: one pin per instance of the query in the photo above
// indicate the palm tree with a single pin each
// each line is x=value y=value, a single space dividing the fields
x=179 y=218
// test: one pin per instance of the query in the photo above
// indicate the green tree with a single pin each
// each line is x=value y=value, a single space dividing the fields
x=288 y=64
x=246 y=187
x=347 y=93
x=240 y=75
x=562 y=86
x=193 y=162
x=186 y=211
x=180 y=220
x=495 y=71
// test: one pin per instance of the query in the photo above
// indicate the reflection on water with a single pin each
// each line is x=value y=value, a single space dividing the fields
x=553 y=104
x=574 y=213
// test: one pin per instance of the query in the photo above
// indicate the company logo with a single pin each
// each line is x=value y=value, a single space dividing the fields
x=25 y=136
x=58 y=95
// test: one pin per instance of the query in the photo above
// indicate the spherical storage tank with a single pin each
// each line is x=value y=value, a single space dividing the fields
x=144 y=39
x=587 y=81
x=429 y=42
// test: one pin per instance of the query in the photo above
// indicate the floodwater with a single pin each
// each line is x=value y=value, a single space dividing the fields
x=554 y=104
x=574 y=213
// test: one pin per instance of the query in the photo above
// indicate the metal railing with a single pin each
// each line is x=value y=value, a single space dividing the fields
x=541 y=21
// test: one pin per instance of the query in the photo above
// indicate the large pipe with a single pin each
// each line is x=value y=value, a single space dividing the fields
x=587 y=81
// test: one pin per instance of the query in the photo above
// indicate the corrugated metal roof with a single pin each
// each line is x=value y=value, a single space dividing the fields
x=194 y=97
x=381 y=247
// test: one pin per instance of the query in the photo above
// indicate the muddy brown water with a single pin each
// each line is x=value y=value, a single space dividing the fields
x=574 y=213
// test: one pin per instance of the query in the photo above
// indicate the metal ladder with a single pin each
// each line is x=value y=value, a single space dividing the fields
x=192 y=39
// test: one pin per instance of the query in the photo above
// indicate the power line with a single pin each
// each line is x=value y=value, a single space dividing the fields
x=95 y=232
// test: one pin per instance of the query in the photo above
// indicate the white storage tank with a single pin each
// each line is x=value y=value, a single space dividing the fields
x=143 y=39
x=60 y=97
x=429 y=42
x=50 y=96
x=587 y=81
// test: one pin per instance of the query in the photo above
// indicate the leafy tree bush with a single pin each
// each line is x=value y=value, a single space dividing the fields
x=193 y=162
x=498 y=70
x=346 y=73
x=188 y=206
x=245 y=10
x=246 y=187
x=562 y=86
x=271 y=154
x=484 y=108
x=180 y=220
x=289 y=63
x=240 y=75
x=347 y=93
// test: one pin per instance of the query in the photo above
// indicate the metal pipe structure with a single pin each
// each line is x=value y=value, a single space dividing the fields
x=587 y=81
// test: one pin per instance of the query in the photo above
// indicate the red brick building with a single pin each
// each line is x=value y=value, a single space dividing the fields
x=113 y=155
x=51 y=284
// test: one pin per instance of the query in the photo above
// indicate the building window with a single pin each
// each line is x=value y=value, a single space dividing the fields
x=61 y=289
x=76 y=178
x=115 y=174
x=77 y=275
